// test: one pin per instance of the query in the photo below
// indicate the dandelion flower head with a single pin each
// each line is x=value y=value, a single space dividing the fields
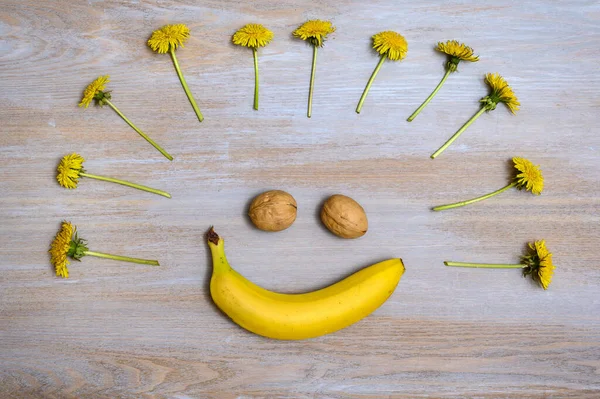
x=93 y=88
x=391 y=44
x=60 y=248
x=529 y=176
x=538 y=264
x=314 y=31
x=68 y=170
x=168 y=38
x=457 y=50
x=253 y=35
x=501 y=93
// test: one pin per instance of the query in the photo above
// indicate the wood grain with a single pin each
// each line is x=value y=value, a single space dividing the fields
x=115 y=330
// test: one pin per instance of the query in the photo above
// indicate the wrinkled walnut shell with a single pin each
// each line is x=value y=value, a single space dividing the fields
x=273 y=210
x=344 y=217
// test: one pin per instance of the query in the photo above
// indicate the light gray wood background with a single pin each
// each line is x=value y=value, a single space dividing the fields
x=115 y=330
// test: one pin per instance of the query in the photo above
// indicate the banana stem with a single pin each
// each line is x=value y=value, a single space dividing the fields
x=134 y=127
x=369 y=83
x=217 y=250
x=485 y=265
x=185 y=86
x=122 y=258
x=255 y=54
x=463 y=203
x=458 y=133
x=428 y=99
x=312 y=80
x=126 y=183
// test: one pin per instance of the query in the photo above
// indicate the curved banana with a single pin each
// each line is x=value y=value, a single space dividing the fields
x=299 y=316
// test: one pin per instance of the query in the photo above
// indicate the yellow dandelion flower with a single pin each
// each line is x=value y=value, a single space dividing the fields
x=95 y=91
x=168 y=38
x=530 y=176
x=390 y=45
x=59 y=249
x=314 y=31
x=92 y=90
x=501 y=93
x=67 y=244
x=456 y=52
x=253 y=35
x=68 y=169
x=537 y=263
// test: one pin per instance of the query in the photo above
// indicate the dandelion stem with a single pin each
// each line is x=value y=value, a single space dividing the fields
x=312 y=80
x=428 y=99
x=458 y=133
x=134 y=127
x=255 y=53
x=369 y=83
x=126 y=183
x=185 y=86
x=463 y=203
x=485 y=265
x=123 y=258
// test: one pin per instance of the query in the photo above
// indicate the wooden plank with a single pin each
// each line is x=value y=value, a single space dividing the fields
x=131 y=331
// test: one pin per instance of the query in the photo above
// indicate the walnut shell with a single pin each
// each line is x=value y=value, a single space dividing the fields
x=344 y=217
x=273 y=210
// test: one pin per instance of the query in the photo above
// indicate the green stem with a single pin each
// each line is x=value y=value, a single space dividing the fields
x=433 y=93
x=123 y=258
x=312 y=80
x=126 y=183
x=485 y=265
x=458 y=133
x=134 y=127
x=255 y=53
x=369 y=83
x=185 y=86
x=463 y=203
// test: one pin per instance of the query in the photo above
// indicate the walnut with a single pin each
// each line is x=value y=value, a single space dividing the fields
x=273 y=210
x=344 y=217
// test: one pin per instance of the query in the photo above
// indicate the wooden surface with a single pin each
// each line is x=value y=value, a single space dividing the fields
x=115 y=330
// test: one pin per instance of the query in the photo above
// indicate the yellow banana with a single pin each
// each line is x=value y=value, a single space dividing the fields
x=299 y=316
